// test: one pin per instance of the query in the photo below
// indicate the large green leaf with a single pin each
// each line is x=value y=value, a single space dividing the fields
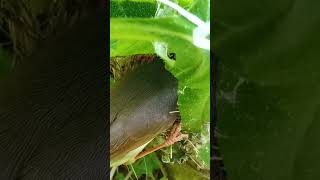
x=130 y=9
x=127 y=48
x=143 y=35
x=270 y=123
x=191 y=67
x=146 y=166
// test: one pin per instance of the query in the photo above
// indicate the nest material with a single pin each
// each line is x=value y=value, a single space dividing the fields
x=121 y=65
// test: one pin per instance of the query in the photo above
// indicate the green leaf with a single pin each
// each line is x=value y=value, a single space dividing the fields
x=191 y=67
x=186 y=171
x=185 y=3
x=120 y=176
x=204 y=151
x=147 y=165
x=150 y=29
x=142 y=9
x=202 y=9
x=130 y=9
x=168 y=32
x=270 y=123
x=127 y=48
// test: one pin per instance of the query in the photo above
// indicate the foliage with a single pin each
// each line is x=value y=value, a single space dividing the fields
x=144 y=27
x=270 y=123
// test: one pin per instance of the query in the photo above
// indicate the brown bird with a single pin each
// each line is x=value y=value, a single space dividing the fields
x=142 y=105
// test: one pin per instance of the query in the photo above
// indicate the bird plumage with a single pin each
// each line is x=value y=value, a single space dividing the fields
x=140 y=106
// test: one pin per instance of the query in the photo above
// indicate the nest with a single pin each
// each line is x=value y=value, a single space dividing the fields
x=121 y=65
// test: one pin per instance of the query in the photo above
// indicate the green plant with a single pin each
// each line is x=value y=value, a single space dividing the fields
x=270 y=123
x=148 y=27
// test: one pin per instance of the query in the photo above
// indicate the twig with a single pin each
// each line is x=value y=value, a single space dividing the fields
x=134 y=171
x=200 y=166
x=195 y=148
x=128 y=175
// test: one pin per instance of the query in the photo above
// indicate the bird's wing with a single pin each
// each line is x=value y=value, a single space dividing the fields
x=140 y=107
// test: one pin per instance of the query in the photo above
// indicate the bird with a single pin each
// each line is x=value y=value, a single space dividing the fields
x=143 y=104
x=54 y=108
